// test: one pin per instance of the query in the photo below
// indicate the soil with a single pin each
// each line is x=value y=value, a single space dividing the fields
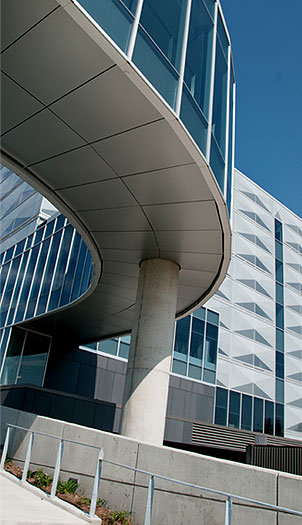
x=75 y=499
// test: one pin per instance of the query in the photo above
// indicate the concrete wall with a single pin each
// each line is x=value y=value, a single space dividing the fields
x=172 y=503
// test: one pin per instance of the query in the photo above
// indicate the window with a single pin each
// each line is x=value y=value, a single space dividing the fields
x=246 y=412
x=221 y=406
x=269 y=417
x=258 y=415
x=234 y=409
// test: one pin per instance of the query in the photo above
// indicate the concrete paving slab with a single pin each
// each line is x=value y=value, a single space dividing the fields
x=23 y=504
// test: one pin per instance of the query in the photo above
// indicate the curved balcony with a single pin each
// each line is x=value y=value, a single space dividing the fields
x=122 y=116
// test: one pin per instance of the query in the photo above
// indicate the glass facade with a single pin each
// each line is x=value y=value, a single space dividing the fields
x=195 y=346
x=51 y=268
x=26 y=358
x=279 y=324
x=248 y=351
x=247 y=412
x=180 y=63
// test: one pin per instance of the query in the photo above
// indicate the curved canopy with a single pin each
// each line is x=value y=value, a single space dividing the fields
x=82 y=126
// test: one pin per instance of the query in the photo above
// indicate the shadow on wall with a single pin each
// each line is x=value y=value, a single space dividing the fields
x=80 y=387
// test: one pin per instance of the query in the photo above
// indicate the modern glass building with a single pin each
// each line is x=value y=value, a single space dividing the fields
x=135 y=147
x=237 y=362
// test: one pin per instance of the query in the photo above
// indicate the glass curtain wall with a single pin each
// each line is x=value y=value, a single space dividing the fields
x=238 y=410
x=26 y=358
x=279 y=302
x=156 y=44
x=49 y=269
x=195 y=346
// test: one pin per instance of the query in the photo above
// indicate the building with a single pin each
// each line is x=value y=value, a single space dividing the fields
x=135 y=147
x=121 y=113
x=236 y=371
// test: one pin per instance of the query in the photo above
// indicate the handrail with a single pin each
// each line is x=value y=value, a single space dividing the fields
x=148 y=512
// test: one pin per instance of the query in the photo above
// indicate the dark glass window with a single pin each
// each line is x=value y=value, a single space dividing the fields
x=269 y=418
x=210 y=357
x=109 y=346
x=53 y=253
x=86 y=273
x=200 y=313
x=280 y=340
x=179 y=367
x=68 y=282
x=49 y=228
x=221 y=406
x=79 y=271
x=258 y=415
x=8 y=254
x=278 y=250
x=33 y=360
x=20 y=247
x=196 y=345
x=11 y=281
x=280 y=316
x=220 y=98
x=279 y=420
x=279 y=391
x=199 y=55
x=195 y=372
x=11 y=364
x=29 y=241
x=279 y=293
x=164 y=23
x=39 y=235
x=155 y=67
x=234 y=409
x=222 y=37
x=280 y=365
x=131 y=4
x=93 y=346
x=3 y=344
x=212 y=317
x=60 y=268
x=17 y=289
x=182 y=337
x=279 y=271
x=60 y=222
x=113 y=17
x=37 y=280
x=278 y=230
x=124 y=349
x=3 y=275
x=230 y=152
x=246 y=412
x=27 y=283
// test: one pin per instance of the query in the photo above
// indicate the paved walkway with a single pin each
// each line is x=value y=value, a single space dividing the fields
x=22 y=504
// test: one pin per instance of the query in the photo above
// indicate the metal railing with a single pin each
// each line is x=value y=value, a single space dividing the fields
x=152 y=476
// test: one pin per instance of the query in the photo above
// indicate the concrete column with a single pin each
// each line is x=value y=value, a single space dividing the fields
x=147 y=379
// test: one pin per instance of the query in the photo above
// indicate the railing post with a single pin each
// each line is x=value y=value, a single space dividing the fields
x=28 y=456
x=149 y=503
x=228 y=512
x=57 y=469
x=5 y=448
x=96 y=483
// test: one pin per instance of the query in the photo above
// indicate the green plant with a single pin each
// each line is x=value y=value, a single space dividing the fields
x=67 y=487
x=84 y=501
x=100 y=502
x=121 y=516
x=40 y=479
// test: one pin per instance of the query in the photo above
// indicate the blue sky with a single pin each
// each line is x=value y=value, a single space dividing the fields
x=266 y=40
